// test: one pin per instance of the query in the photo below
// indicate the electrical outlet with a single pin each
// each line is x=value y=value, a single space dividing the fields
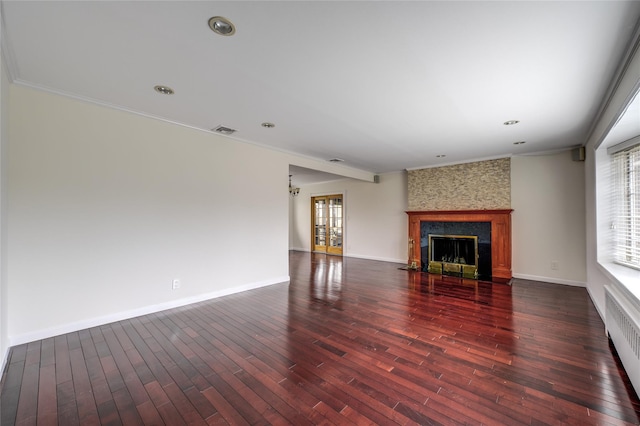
x=175 y=284
x=554 y=265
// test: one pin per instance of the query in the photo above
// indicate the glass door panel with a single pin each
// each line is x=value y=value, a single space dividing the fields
x=327 y=232
x=320 y=224
x=335 y=224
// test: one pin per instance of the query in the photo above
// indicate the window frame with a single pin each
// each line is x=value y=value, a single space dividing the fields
x=625 y=202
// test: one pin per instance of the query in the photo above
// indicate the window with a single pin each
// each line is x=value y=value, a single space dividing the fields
x=626 y=203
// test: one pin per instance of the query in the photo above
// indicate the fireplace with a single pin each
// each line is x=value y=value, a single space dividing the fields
x=492 y=227
x=453 y=255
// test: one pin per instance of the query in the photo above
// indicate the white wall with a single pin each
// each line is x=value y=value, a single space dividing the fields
x=4 y=130
x=375 y=218
x=547 y=197
x=106 y=208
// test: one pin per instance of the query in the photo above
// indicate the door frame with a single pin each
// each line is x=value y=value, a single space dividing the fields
x=313 y=219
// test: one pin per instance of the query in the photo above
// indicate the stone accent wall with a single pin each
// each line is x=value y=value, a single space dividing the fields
x=470 y=186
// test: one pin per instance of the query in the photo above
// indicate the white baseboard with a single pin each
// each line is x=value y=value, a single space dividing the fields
x=601 y=313
x=550 y=280
x=106 y=319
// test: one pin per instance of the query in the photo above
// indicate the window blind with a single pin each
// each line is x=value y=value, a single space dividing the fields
x=626 y=206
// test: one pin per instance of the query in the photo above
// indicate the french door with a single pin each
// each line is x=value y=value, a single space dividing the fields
x=327 y=233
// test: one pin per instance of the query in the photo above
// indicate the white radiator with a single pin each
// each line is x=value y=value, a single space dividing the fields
x=623 y=325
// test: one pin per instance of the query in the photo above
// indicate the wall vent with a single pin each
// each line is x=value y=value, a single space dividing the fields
x=623 y=327
x=224 y=130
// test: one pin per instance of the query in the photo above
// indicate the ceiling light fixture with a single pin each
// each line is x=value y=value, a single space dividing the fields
x=520 y=143
x=165 y=90
x=268 y=125
x=511 y=122
x=292 y=190
x=222 y=26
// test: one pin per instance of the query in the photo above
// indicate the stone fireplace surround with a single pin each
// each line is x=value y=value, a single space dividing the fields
x=500 y=235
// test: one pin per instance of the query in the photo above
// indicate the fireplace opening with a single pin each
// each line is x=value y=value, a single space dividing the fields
x=482 y=259
x=453 y=255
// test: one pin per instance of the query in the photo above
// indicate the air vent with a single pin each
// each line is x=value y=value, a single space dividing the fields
x=224 y=130
x=336 y=160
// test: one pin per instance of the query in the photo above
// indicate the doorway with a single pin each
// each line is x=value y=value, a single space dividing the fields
x=326 y=224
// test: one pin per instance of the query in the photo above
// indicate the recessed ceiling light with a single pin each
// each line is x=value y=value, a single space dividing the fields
x=165 y=90
x=268 y=125
x=520 y=143
x=336 y=160
x=222 y=26
x=440 y=156
x=511 y=122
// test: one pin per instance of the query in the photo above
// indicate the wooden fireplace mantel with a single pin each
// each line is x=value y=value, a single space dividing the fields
x=500 y=234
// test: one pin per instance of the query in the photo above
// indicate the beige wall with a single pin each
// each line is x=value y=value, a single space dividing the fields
x=106 y=208
x=548 y=218
x=468 y=186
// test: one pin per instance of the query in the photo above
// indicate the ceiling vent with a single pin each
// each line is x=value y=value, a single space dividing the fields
x=224 y=130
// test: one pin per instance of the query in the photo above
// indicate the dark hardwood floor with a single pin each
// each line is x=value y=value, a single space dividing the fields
x=349 y=341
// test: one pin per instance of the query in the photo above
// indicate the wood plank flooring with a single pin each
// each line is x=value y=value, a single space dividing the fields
x=349 y=341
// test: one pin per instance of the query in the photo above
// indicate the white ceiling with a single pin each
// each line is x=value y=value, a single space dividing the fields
x=385 y=85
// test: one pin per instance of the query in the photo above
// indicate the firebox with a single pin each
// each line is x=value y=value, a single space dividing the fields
x=453 y=255
x=492 y=227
